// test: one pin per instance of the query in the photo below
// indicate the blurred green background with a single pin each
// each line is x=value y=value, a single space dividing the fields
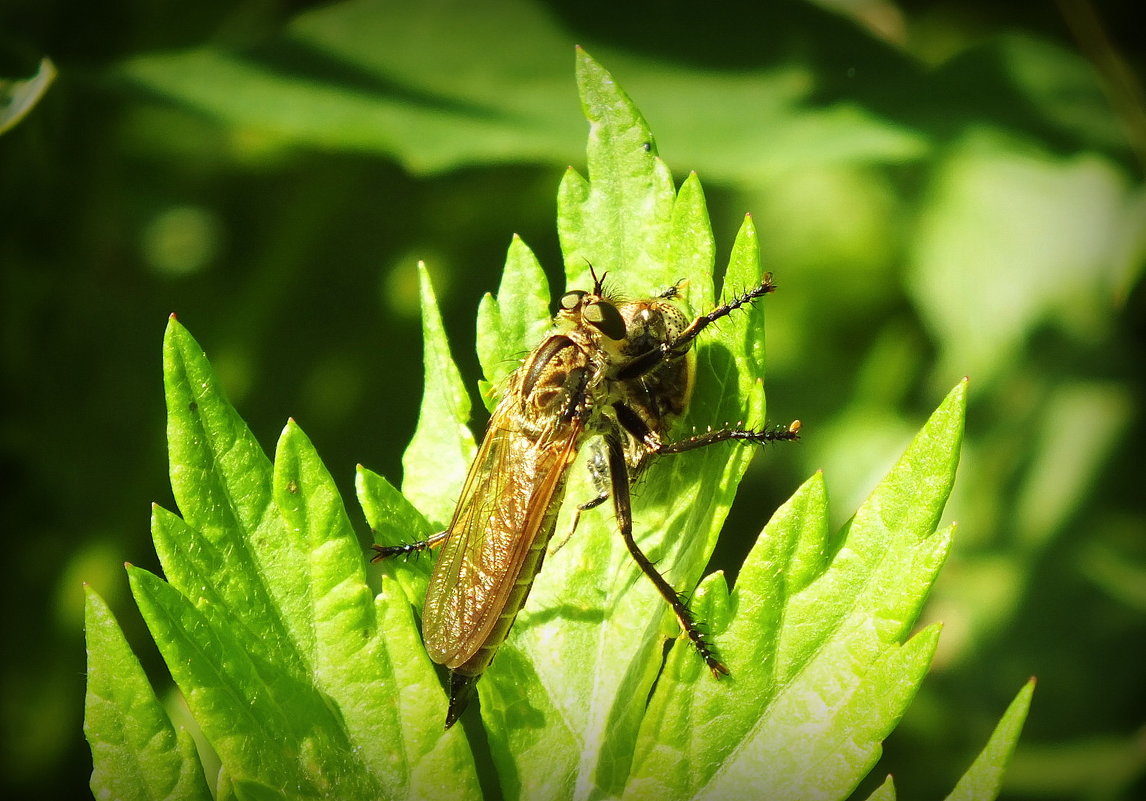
x=941 y=188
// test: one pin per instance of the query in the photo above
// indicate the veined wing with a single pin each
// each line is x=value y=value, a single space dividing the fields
x=514 y=480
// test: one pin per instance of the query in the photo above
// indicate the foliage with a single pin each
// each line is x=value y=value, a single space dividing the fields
x=942 y=189
x=306 y=685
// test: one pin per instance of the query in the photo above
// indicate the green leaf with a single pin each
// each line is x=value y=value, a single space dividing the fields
x=265 y=726
x=416 y=80
x=885 y=792
x=367 y=660
x=622 y=222
x=887 y=556
x=692 y=247
x=816 y=641
x=136 y=752
x=304 y=683
x=984 y=778
x=735 y=352
x=503 y=340
x=437 y=458
x=395 y=521
x=221 y=480
x=350 y=667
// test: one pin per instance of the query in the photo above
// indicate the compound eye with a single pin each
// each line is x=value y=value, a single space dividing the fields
x=606 y=319
x=571 y=300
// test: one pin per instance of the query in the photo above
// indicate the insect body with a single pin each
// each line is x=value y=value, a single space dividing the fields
x=621 y=370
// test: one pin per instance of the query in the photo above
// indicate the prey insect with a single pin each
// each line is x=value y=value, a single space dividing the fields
x=621 y=370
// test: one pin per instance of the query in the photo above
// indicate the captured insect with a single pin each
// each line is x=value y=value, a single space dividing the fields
x=614 y=371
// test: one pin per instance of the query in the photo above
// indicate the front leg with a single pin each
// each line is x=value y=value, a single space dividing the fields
x=680 y=345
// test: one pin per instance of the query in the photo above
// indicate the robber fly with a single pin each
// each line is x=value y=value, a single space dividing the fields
x=621 y=370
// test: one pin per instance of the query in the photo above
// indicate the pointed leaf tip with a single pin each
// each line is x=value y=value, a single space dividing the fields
x=440 y=451
x=983 y=780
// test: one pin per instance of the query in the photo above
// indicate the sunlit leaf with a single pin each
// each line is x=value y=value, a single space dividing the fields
x=136 y=751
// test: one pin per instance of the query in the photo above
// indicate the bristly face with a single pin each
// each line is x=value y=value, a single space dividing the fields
x=615 y=332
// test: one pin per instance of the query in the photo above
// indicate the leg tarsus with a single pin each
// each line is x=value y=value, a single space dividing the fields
x=585 y=507
x=407 y=548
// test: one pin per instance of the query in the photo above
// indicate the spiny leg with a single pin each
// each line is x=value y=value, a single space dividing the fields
x=723 y=310
x=632 y=422
x=776 y=434
x=619 y=475
x=407 y=548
